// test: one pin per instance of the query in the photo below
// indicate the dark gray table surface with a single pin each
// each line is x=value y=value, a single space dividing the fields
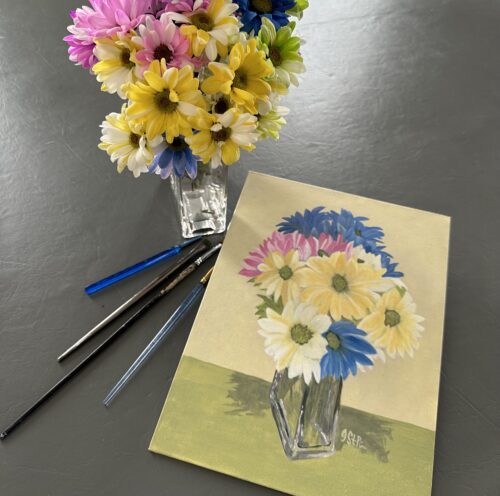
x=401 y=103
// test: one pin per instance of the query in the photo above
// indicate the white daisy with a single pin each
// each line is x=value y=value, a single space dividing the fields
x=294 y=339
x=127 y=143
x=116 y=66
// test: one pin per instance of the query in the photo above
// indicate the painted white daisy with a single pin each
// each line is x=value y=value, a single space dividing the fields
x=375 y=262
x=127 y=143
x=294 y=339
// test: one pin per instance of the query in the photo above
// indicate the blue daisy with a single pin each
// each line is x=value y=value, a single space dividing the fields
x=346 y=349
x=252 y=11
x=310 y=223
x=178 y=158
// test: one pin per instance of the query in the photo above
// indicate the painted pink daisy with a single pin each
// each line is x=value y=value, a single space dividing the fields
x=282 y=244
x=325 y=245
x=107 y=17
x=161 y=39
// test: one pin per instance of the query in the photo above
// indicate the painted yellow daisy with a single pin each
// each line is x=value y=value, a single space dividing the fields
x=243 y=78
x=166 y=101
x=338 y=284
x=209 y=31
x=393 y=324
x=280 y=275
x=222 y=136
x=127 y=143
x=295 y=339
x=116 y=67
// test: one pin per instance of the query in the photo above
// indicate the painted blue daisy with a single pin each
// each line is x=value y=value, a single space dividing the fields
x=346 y=349
x=178 y=158
x=353 y=229
x=389 y=265
x=310 y=223
x=252 y=11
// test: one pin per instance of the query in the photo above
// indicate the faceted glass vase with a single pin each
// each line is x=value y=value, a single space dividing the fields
x=306 y=414
x=201 y=202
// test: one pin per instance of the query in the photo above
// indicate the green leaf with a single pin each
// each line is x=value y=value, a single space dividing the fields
x=268 y=302
x=401 y=290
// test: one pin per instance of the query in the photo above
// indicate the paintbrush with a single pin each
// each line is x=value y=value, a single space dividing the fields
x=168 y=327
x=139 y=267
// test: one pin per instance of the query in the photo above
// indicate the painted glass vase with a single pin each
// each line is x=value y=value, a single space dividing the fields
x=306 y=414
x=202 y=201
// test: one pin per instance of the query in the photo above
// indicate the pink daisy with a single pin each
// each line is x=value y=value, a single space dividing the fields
x=81 y=47
x=161 y=39
x=107 y=17
x=184 y=6
x=281 y=243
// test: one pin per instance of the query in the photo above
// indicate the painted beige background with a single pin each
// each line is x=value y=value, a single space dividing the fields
x=225 y=330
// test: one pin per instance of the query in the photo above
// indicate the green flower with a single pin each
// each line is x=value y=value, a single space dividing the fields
x=282 y=49
x=298 y=10
x=270 y=124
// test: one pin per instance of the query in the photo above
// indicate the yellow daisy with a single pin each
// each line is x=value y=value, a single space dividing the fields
x=166 y=102
x=393 y=324
x=116 y=67
x=209 y=30
x=242 y=78
x=340 y=285
x=221 y=136
x=127 y=143
x=280 y=275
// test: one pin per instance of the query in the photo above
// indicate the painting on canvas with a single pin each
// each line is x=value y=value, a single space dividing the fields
x=313 y=364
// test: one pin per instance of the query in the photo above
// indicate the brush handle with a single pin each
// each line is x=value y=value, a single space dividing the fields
x=138 y=267
x=155 y=343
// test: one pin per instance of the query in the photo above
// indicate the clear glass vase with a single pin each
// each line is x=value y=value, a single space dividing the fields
x=306 y=415
x=202 y=202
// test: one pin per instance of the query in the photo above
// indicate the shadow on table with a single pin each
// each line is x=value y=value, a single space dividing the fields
x=360 y=430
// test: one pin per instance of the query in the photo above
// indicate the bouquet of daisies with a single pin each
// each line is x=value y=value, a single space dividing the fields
x=201 y=79
x=331 y=296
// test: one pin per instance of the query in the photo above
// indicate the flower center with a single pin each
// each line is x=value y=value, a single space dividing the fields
x=163 y=103
x=163 y=52
x=392 y=318
x=339 y=283
x=275 y=56
x=301 y=334
x=285 y=273
x=125 y=58
x=178 y=144
x=202 y=21
x=240 y=80
x=262 y=6
x=222 y=134
x=222 y=106
x=357 y=232
x=333 y=341
x=134 y=139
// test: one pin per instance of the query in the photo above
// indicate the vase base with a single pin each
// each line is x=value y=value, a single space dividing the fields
x=202 y=202
x=306 y=415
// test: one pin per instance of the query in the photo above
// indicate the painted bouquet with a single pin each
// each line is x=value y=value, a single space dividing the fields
x=201 y=79
x=331 y=296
